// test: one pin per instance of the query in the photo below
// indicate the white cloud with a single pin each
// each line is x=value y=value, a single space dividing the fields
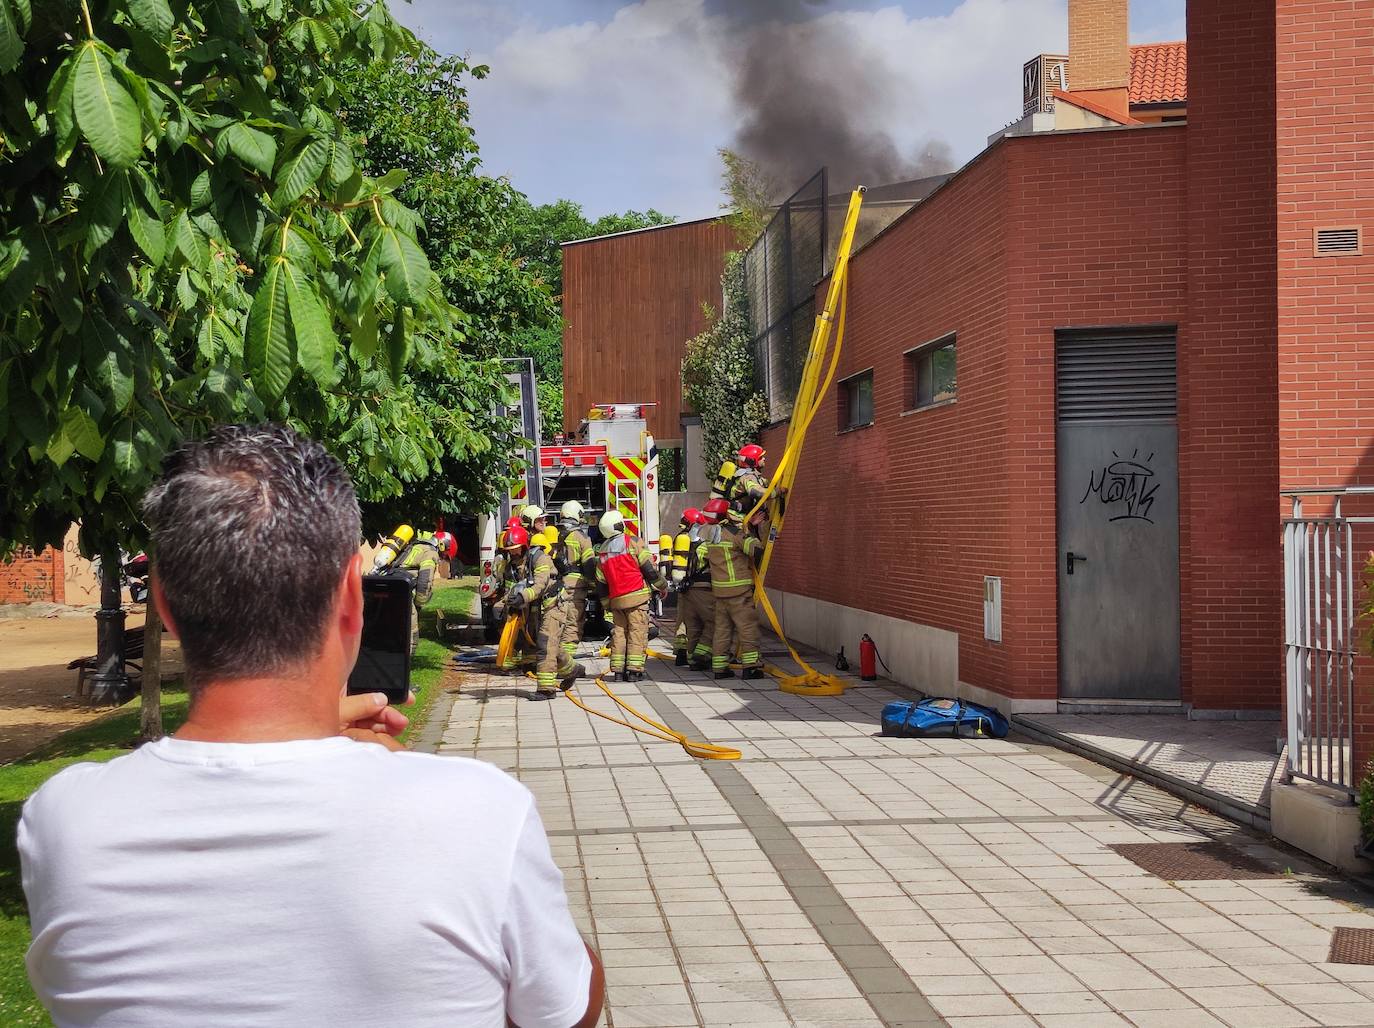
x=628 y=112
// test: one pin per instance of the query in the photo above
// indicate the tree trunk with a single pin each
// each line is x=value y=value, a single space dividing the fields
x=150 y=722
x=109 y=684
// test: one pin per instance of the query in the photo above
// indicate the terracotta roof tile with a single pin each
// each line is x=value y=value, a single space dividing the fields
x=1159 y=73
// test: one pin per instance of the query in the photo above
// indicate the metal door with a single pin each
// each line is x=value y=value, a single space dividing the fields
x=1117 y=500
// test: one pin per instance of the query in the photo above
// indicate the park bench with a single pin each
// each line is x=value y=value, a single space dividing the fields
x=133 y=662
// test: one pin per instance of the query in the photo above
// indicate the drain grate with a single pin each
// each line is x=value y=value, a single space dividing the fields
x=1352 y=946
x=1193 y=861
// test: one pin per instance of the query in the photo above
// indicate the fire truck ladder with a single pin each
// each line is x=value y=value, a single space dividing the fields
x=810 y=394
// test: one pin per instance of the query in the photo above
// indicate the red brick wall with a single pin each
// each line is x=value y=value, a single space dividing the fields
x=906 y=517
x=1232 y=594
x=26 y=578
x=1326 y=319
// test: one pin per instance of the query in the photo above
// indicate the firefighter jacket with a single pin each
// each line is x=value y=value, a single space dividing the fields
x=648 y=568
x=747 y=489
x=539 y=585
x=580 y=555
x=418 y=563
x=729 y=551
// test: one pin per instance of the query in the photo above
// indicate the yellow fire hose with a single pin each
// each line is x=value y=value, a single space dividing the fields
x=810 y=396
x=702 y=750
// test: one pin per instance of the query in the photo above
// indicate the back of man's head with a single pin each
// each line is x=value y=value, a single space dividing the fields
x=252 y=528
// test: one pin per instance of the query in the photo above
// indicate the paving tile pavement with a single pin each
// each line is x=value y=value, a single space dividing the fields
x=835 y=877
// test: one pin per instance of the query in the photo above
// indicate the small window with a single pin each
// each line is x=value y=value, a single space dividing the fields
x=930 y=373
x=856 y=401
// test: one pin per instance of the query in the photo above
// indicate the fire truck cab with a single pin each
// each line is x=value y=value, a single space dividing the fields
x=609 y=463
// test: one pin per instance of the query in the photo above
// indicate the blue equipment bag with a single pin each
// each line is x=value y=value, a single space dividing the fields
x=937 y=717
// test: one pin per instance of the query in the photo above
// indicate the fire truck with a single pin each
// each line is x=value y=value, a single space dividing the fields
x=609 y=463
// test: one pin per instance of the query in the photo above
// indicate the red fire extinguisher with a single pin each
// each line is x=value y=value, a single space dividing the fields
x=868 y=655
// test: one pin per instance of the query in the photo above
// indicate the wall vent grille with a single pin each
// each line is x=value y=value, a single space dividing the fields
x=1116 y=374
x=1338 y=241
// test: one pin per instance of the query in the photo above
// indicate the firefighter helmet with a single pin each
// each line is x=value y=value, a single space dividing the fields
x=692 y=516
x=611 y=523
x=715 y=510
x=530 y=514
x=751 y=456
x=571 y=511
x=548 y=538
x=447 y=545
x=516 y=538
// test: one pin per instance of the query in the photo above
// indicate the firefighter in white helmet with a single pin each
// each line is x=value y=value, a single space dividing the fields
x=576 y=565
x=627 y=569
x=533 y=519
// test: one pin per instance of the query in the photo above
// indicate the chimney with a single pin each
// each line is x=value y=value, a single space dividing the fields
x=1100 y=52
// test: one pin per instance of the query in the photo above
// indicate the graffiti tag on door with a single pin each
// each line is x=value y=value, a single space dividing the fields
x=1126 y=485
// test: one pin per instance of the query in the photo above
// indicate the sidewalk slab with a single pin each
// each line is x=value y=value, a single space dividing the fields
x=834 y=876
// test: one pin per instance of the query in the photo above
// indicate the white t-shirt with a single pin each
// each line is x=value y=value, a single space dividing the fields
x=318 y=882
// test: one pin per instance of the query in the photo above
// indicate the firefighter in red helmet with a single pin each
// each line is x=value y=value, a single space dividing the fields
x=692 y=581
x=748 y=486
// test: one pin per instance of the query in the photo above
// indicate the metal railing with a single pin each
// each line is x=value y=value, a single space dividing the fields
x=1321 y=637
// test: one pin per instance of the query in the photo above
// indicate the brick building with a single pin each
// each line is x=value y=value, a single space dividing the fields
x=1122 y=340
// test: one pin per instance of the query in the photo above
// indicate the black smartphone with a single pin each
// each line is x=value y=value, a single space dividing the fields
x=384 y=657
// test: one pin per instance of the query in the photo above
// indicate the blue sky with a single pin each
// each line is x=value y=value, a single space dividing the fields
x=623 y=105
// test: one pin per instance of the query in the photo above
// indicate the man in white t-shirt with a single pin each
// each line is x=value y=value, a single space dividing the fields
x=278 y=862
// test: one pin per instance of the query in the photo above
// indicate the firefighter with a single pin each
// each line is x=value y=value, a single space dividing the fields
x=540 y=594
x=515 y=551
x=692 y=580
x=418 y=562
x=626 y=567
x=493 y=585
x=533 y=519
x=577 y=555
x=748 y=486
x=729 y=549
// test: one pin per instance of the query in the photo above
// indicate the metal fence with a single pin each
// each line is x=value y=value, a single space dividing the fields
x=1321 y=575
x=781 y=270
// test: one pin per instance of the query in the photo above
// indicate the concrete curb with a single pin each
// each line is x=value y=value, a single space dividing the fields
x=1234 y=810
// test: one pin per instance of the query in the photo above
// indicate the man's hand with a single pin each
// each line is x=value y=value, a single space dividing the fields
x=369 y=718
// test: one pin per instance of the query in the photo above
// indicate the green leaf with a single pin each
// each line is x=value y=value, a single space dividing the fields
x=405 y=264
x=256 y=149
x=126 y=460
x=144 y=217
x=340 y=162
x=316 y=343
x=11 y=43
x=364 y=340
x=102 y=212
x=109 y=361
x=61 y=110
x=243 y=219
x=397 y=347
x=80 y=434
x=154 y=17
x=300 y=171
x=269 y=343
x=107 y=114
x=189 y=241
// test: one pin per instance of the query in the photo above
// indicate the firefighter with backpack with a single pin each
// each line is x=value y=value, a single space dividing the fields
x=539 y=592
x=625 y=566
x=692 y=582
x=575 y=563
x=730 y=551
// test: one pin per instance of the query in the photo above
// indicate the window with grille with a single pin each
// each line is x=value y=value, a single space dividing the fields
x=931 y=374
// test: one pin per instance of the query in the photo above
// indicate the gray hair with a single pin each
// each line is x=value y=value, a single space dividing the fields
x=252 y=528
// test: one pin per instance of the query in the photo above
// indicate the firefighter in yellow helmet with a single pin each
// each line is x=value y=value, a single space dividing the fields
x=730 y=551
x=578 y=563
x=540 y=594
x=625 y=566
x=692 y=582
x=419 y=561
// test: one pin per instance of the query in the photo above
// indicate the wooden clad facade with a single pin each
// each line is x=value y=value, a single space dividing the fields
x=630 y=303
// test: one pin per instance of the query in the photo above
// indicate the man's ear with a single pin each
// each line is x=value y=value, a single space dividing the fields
x=160 y=601
x=351 y=597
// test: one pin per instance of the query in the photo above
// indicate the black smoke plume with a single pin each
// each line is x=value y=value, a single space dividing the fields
x=809 y=94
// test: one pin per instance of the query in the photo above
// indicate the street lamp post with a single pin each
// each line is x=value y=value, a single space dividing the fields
x=110 y=683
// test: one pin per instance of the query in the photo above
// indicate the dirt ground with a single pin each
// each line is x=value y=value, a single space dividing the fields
x=37 y=693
